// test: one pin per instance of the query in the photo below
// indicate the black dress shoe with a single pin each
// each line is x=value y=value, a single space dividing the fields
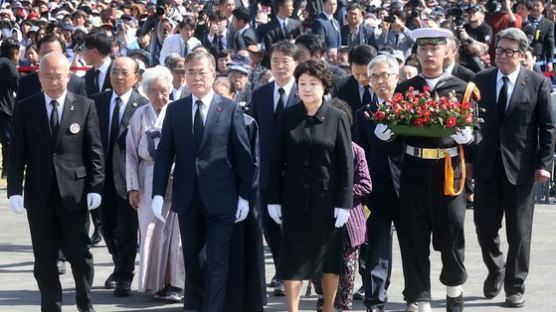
x=85 y=309
x=493 y=284
x=454 y=304
x=376 y=309
x=279 y=290
x=359 y=294
x=110 y=282
x=515 y=301
x=123 y=289
x=96 y=238
x=61 y=267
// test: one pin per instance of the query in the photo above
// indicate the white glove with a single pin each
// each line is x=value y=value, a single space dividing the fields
x=275 y=212
x=242 y=209
x=382 y=132
x=342 y=216
x=156 y=207
x=463 y=136
x=93 y=201
x=16 y=203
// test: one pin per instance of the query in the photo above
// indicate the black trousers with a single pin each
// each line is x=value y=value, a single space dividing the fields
x=384 y=205
x=119 y=229
x=206 y=280
x=5 y=129
x=54 y=228
x=273 y=236
x=425 y=210
x=495 y=198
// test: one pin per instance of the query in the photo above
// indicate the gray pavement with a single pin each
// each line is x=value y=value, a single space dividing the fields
x=19 y=292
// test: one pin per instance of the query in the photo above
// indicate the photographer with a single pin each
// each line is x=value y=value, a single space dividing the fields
x=499 y=17
x=153 y=22
x=394 y=34
x=542 y=35
x=475 y=37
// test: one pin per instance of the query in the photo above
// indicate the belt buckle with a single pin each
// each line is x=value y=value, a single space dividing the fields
x=430 y=153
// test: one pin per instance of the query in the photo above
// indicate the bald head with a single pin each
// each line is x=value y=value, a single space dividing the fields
x=54 y=74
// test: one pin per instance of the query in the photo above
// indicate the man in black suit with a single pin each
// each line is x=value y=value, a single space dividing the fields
x=384 y=160
x=542 y=33
x=281 y=27
x=516 y=151
x=176 y=64
x=9 y=59
x=267 y=102
x=355 y=32
x=356 y=89
x=119 y=220
x=244 y=35
x=205 y=139
x=56 y=143
x=452 y=67
x=30 y=84
x=97 y=54
x=326 y=26
x=219 y=38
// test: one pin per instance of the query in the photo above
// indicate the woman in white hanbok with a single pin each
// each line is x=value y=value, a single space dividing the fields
x=161 y=268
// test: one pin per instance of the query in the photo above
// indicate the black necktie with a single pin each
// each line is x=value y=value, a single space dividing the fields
x=366 y=96
x=115 y=125
x=220 y=43
x=96 y=76
x=198 y=125
x=185 y=48
x=54 y=119
x=285 y=30
x=503 y=98
x=280 y=105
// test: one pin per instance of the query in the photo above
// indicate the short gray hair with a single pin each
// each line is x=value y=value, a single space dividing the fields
x=155 y=74
x=514 y=34
x=392 y=63
x=197 y=55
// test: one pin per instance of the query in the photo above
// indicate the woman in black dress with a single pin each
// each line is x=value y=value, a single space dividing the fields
x=310 y=187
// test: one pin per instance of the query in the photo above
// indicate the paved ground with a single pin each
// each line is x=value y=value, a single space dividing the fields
x=18 y=289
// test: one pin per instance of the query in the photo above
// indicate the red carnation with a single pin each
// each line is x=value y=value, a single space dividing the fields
x=379 y=116
x=419 y=122
x=425 y=88
x=451 y=122
x=466 y=105
x=468 y=118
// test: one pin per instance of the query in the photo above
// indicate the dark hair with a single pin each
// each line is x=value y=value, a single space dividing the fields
x=343 y=106
x=9 y=48
x=225 y=53
x=526 y=3
x=286 y=47
x=361 y=54
x=317 y=69
x=99 y=41
x=241 y=14
x=217 y=16
x=279 y=3
x=313 y=43
x=51 y=38
x=222 y=2
x=187 y=21
x=354 y=6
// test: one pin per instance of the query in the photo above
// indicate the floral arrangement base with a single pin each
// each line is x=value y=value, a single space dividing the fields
x=432 y=131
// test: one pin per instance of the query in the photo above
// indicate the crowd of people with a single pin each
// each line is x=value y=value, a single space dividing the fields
x=187 y=133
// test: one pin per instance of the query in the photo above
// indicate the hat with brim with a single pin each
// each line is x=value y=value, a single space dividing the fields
x=431 y=36
x=238 y=68
x=474 y=8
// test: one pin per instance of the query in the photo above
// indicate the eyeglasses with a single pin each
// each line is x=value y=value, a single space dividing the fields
x=54 y=78
x=381 y=76
x=507 y=52
x=120 y=73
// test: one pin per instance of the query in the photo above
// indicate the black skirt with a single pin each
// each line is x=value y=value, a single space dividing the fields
x=311 y=245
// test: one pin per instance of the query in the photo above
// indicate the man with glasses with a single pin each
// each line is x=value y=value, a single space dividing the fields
x=515 y=151
x=425 y=208
x=119 y=220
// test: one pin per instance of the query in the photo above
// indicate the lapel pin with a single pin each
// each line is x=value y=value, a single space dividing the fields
x=134 y=104
x=218 y=109
x=74 y=128
x=71 y=108
x=523 y=83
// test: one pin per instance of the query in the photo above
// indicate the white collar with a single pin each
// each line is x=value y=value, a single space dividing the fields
x=511 y=76
x=105 y=64
x=287 y=87
x=330 y=17
x=450 y=68
x=61 y=99
x=207 y=99
x=124 y=97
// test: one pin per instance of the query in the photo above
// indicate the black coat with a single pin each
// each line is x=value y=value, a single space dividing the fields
x=271 y=32
x=243 y=40
x=118 y=156
x=526 y=134
x=262 y=109
x=9 y=83
x=543 y=40
x=212 y=47
x=90 y=81
x=331 y=34
x=74 y=158
x=31 y=85
x=312 y=168
x=463 y=73
x=348 y=91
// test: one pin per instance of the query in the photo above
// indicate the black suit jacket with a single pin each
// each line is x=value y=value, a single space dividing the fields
x=526 y=134
x=246 y=38
x=463 y=73
x=212 y=47
x=543 y=40
x=31 y=85
x=272 y=32
x=323 y=27
x=118 y=156
x=9 y=83
x=262 y=109
x=90 y=81
x=365 y=35
x=73 y=159
x=222 y=165
x=349 y=92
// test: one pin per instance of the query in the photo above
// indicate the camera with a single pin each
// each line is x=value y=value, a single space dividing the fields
x=160 y=10
x=493 y=6
x=390 y=19
x=457 y=13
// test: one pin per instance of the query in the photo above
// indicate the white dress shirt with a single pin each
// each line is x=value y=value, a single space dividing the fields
x=287 y=90
x=224 y=34
x=512 y=78
x=61 y=99
x=125 y=98
x=207 y=99
x=103 y=75
x=176 y=93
